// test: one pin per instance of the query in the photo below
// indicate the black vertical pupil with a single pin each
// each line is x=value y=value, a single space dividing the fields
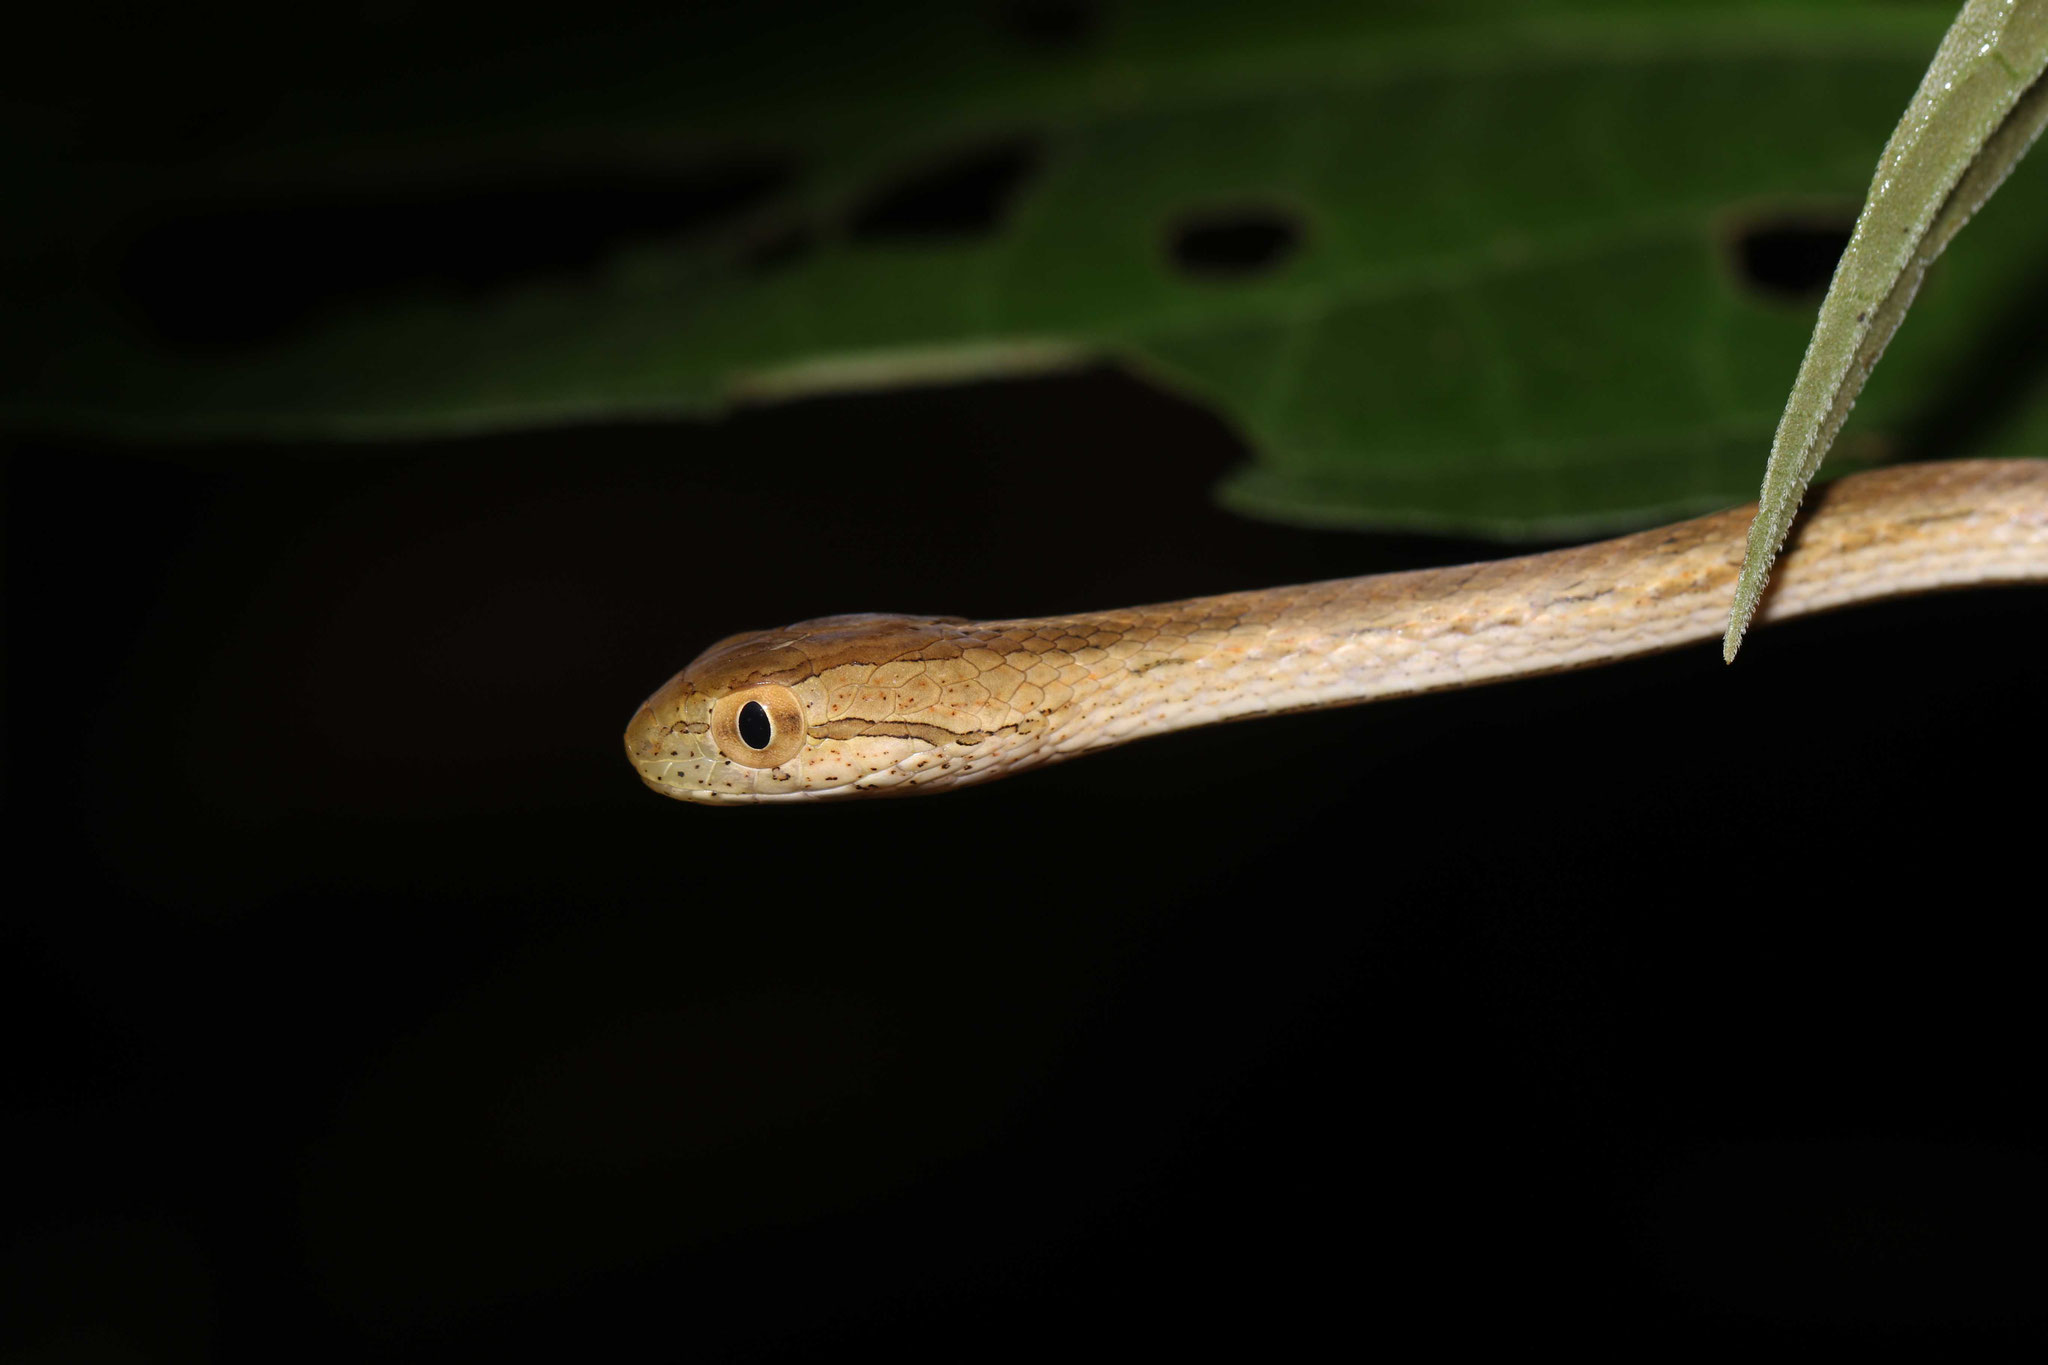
x=754 y=727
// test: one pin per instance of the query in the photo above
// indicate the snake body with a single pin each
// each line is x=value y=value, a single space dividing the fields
x=875 y=704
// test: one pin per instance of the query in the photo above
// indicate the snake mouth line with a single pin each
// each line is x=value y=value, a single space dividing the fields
x=864 y=785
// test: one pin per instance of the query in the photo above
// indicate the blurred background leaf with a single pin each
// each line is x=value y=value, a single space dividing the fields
x=1507 y=269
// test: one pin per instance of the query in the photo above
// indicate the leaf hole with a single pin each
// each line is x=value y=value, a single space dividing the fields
x=1237 y=244
x=1050 y=25
x=1790 y=258
x=961 y=197
x=245 y=274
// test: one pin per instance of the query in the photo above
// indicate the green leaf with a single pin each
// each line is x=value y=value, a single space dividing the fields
x=1512 y=301
x=1980 y=107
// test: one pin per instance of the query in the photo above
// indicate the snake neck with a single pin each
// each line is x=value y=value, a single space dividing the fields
x=1100 y=679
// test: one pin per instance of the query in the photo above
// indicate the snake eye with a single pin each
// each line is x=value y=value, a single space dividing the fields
x=754 y=726
x=758 y=727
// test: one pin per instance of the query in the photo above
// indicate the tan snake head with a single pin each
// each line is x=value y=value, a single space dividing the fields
x=868 y=704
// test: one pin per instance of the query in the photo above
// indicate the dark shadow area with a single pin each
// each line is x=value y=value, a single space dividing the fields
x=1234 y=244
x=1865 y=1232
x=1789 y=258
x=366 y=1000
x=242 y=276
x=963 y=197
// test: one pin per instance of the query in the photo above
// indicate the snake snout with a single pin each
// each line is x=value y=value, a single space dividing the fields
x=645 y=736
x=662 y=748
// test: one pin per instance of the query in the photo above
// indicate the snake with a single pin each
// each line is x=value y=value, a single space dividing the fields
x=843 y=707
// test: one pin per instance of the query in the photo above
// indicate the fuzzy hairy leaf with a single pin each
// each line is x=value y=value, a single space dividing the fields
x=1979 y=108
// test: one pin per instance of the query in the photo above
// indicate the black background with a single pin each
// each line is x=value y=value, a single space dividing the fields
x=362 y=1002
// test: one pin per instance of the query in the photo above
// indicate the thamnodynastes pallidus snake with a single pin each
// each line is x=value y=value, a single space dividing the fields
x=872 y=705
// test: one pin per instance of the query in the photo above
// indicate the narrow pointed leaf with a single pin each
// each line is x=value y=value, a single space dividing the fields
x=1980 y=107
